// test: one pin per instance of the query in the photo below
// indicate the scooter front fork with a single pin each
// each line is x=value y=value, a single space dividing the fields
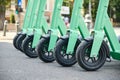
x=53 y=39
x=97 y=42
x=37 y=35
x=73 y=36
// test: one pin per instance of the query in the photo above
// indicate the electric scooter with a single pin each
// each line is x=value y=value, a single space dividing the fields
x=25 y=24
x=66 y=46
x=40 y=27
x=91 y=53
x=47 y=42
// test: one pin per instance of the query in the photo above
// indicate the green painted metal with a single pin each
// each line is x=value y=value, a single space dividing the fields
x=57 y=25
x=99 y=25
x=27 y=16
x=37 y=24
x=40 y=24
x=77 y=24
x=111 y=35
x=98 y=39
x=35 y=9
x=113 y=40
x=103 y=24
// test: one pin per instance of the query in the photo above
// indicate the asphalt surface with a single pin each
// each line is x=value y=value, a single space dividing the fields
x=14 y=65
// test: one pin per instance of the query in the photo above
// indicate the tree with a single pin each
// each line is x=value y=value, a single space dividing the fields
x=94 y=7
x=68 y=3
x=113 y=10
x=3 y=5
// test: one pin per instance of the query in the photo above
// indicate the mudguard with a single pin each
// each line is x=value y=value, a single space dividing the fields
x=31 y=35
x=67 y=36
x=45 y=36
x=107 y=48
x=19 y=33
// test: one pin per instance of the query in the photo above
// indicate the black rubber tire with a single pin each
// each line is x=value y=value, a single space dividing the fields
x=27 y=47
x=61 y=57
x=15 y=39
x=19 y=41
x=42 y=50
x=94 y=64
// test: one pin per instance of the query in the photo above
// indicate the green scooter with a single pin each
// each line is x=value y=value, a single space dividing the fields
x=40 y=27
x=47 y=42
x=91 y=53
x=66 y=46
x=28 y=24
x=25 y=25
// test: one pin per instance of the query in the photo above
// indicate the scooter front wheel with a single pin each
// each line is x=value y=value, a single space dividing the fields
x=61 y=56
x=42 y=50
x=27 y=47
x=19 y=41
x=91 y=63
x=15 y=39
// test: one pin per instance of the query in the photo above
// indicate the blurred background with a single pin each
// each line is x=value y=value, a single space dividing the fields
x=14 y=11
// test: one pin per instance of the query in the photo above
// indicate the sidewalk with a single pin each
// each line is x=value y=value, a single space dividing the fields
x=9 y=35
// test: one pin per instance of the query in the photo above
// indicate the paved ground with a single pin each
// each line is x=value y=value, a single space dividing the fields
x=14 y=65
